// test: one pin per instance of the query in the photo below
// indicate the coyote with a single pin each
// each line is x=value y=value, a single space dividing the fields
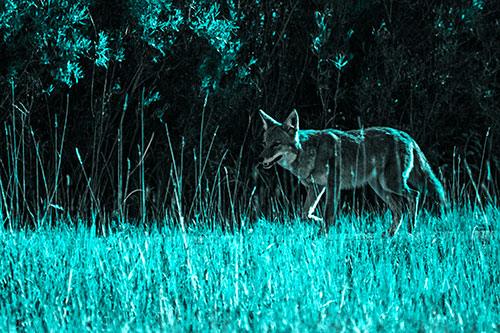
x=388 y=160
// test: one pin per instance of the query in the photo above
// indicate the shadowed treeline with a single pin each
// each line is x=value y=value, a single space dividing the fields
x=148 y=109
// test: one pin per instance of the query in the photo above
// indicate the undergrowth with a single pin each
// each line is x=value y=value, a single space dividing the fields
x=271 y=275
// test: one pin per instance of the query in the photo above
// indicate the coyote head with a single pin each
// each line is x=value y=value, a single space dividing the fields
x=281 y=144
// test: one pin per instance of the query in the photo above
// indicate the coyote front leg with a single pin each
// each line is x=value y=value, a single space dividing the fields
x=332 y=199
x=308 y=204
x=312 y=201
x=333 y=188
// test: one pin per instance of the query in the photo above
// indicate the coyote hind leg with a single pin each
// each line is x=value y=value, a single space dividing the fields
x=392 y=200
x=413 y=197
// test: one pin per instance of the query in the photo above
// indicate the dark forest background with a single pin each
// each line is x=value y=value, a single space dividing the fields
x=147 y=109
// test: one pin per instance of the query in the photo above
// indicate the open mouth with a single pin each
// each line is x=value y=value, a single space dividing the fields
x=269 y=163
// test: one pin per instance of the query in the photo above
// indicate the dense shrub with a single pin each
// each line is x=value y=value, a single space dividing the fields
x=106 y=78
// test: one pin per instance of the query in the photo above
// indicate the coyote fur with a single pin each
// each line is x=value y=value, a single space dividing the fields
x=388 y=160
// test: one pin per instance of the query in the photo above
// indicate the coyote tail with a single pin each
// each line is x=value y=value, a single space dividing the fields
x=433 y=187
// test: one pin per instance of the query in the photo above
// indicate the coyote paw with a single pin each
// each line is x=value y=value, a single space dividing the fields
x=322 y=232
x=388 y=234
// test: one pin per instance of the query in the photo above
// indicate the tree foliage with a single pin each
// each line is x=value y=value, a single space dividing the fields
x=110 y=76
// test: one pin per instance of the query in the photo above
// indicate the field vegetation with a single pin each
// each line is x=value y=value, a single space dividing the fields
x=273 y=275
x=130 y=195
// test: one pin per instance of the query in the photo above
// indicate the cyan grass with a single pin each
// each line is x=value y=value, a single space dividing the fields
x=272 y=275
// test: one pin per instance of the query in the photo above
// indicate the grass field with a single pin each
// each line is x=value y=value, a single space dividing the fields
x=273 y=275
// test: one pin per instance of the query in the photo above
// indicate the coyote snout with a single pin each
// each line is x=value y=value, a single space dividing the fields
x=268 y=162
x=386 y=159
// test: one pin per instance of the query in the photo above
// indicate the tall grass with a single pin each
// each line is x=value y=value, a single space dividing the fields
x=275 y=275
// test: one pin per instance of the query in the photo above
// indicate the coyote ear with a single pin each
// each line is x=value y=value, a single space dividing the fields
x=268 y=120
x=292 y=122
